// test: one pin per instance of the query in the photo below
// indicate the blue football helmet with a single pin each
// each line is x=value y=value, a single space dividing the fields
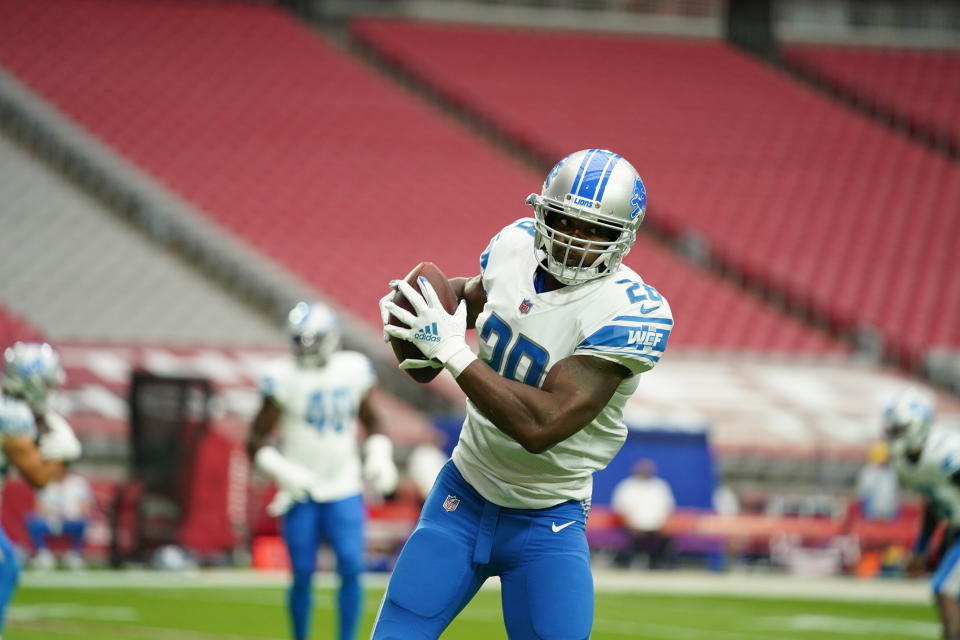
x=314 y=333
x=30 y=370
x=908 y=417
x=598 y=187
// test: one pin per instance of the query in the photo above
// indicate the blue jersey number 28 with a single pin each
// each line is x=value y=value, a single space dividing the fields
x=523 y=347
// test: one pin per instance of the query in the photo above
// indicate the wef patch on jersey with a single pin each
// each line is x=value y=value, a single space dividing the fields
x=451 y=503
x=648 y=337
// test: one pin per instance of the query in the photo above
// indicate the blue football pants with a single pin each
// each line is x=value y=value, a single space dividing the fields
x=305 y=527
x=946 y=579
x=9 y=573
x=39 y=530
x=540 y=555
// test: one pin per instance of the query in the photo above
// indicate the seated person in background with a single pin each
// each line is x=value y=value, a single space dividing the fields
x=877 y=487
x=725 y=501
x=644 y=501
x=62 y=508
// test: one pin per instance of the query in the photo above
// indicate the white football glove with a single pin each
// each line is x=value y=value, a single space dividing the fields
x=436 y=333
x=384 y=312
x=417 y=363
x=293 y=479
x=59 y=442
x=379 y=470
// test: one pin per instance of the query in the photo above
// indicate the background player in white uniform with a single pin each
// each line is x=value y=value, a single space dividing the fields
x=62 y=508
x=927 y=459
x=29 y=371
x=565 y=330
x=316 y=397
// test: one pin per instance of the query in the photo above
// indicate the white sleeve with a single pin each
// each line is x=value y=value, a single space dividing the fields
x=16 y=419
x=947 y=454
x=268 y=385
x=365 y=377
x=516 y=233
x=273 y=379
x=635 y=338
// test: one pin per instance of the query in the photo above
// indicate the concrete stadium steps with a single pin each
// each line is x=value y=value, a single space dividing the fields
x=837 y=214
x=294 y=147
x=312 y=159
x=78 y=273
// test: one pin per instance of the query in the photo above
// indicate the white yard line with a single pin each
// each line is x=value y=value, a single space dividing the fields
x=852 y=626
x=754 y=585
x=69 y=611
x=762 y=585
x=93 y=629
x=631 y=628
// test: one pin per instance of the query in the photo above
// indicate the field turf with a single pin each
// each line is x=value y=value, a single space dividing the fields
x=215 y=612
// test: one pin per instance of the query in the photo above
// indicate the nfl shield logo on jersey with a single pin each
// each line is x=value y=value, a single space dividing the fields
x=526 y=305
x=451 y=503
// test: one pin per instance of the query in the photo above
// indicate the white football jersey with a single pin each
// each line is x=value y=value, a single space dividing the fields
x=522 y=334
x=931 y=475
x=16 y=419
x=319 y=419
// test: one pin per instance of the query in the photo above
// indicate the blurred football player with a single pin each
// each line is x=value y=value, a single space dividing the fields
x=30 y=370
x=927 y=459
x=317 y=397
x=62 y=508
x=565 y=330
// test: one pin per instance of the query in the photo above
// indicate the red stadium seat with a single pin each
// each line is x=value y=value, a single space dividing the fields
x=920 y=86
x=299 y=151
x=800 y=193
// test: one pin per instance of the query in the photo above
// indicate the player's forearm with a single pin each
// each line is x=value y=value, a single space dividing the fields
x=263 y=425
x=369 y=416
x=255 y=440
x=471 y=290
x=459 y=286
x=927 y=527
x=42 y=474
x=536 y=419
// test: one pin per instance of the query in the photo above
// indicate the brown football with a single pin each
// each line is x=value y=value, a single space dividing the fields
x=403 y=349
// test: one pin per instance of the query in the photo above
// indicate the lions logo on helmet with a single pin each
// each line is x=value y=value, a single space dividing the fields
x=314 y=333
x=639 y=200
x=595 y=186
x=908 y=417
x=30 y=369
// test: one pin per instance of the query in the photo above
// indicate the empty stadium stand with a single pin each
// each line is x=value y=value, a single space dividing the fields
x=307 y=156
x=800 y=195
x=919 y=89
x=293 y=150
x=78 y=274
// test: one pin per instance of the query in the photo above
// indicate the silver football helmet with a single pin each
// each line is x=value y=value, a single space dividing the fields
x=908 y=417
x=598 y=187
x=314 y=333
x=30 y=370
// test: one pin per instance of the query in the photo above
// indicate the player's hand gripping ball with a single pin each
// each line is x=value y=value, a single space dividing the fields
x=408 y=355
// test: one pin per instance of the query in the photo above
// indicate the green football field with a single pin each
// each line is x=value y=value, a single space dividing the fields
x=214 y=612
